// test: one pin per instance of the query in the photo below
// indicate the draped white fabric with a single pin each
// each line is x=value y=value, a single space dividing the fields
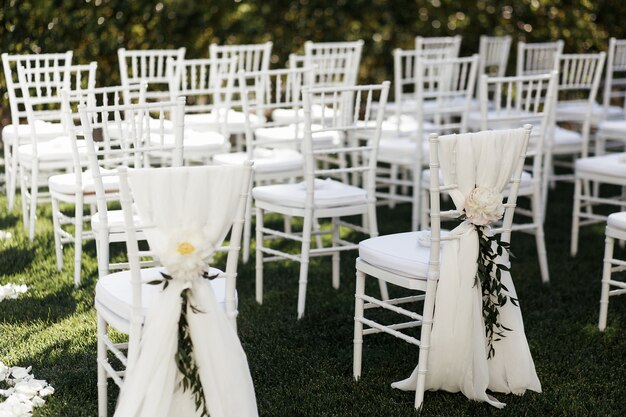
x=199 y=205
x=458 y=353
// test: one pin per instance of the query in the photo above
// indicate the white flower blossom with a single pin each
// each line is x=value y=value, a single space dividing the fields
x=483 y=206
x=186 y=254
x=11 y=291
x=22 y=391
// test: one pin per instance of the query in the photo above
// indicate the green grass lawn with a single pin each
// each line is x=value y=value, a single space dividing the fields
x=304 y=368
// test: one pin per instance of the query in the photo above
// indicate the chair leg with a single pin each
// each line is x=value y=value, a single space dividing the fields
x=58 y=245
x=304 y=260
x=247 y=230
x=393 y=187
x=102 y=376
x=575 y=217
x=102 y=251
x=78 y=240
x=336 y=255
x=25 y=195
x=34 y=192
x=358 y=325
x=8 y=175
x=259 y=256
x=539 y=237
x=606 y=277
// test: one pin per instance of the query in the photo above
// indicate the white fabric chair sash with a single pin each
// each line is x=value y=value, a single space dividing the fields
x=458 y=353
x=197 y=207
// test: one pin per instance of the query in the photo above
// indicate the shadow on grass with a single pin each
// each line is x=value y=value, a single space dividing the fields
x=15 y=260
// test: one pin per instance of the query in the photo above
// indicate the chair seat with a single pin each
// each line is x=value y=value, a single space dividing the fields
x=265 y=160
x=497 y=120
x=579 y=110
x=66 y=183
x=44 y=130
x=115 y=221
x=406 y=254
x=113 y=293
x=616 y=129
x=407 y=126
x=286 y=136
x=609 y=166
x=57 y=149
x=328 y=193
x=194 y=142
x=617 y=220
x=117 y=131
x=235 y=120
x=401 y=151
x=566 y=141
x=285 y=116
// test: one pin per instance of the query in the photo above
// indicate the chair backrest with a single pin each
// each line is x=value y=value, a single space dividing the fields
x=438 y=89
x=207 y=84
x=336 y=63
x=579 y=79
x=127 y=135
x=509 y=102
x=264 y=92
x=615 y=78
x=150 y=66
x=102 y=96
x=41 y=93
x=250 y=57
x=350 y=111
x=450 y=45
x=10 y=64
x=538 y=58
x=208 y=201
x=494 y=55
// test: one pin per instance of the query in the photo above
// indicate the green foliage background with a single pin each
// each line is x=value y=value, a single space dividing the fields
x=95 y=29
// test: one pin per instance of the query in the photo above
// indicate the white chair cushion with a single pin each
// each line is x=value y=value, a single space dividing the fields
x=401 y=151
x=566 y=137
x=44 y=130
x=406 y=254
x=285 y=136
x=235 y=120
x=613 y=128
x=578 y=110
x=407 y=126
x=114 y=293
x=474 y=120
x=285 y=116
x=194 y=142
x=265 y=160
x=115 y=221
x=66 y=183
x=57 y=149
x=328 y=193
x=617 y=220
x=611 y=165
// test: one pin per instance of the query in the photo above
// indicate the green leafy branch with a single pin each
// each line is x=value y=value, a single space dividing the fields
x=185 y=361
x=489 y=275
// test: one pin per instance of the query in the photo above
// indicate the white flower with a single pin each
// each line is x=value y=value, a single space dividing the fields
x=4 y=371
x=186 y=254
x=483 y=206
x=19 y=372
x=48 y=390
x=11 y=291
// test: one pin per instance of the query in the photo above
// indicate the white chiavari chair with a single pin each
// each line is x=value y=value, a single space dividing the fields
x=125 y=135
x=612 y=285
x=148 y=66
x=538 y=57
x=208 y=85
x=39 y=159
x=450 y=44
x=18 y=132
x=320 y=196
x=412 y=260
x=443 y=93
x=609 y=119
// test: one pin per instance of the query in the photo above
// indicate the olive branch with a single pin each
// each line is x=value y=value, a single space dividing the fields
x=184 y=358
x=489 y=275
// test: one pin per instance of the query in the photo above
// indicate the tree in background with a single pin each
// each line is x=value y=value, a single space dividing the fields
x=95 y=29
